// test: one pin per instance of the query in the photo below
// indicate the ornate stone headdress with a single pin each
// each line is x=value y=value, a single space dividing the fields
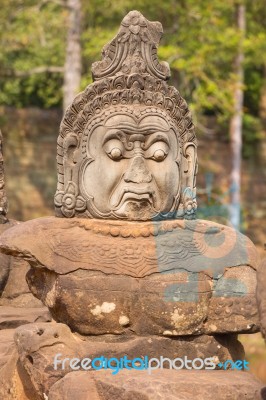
x=129 y=73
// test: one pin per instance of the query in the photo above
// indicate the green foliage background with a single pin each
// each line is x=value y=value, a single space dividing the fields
x=200 y=41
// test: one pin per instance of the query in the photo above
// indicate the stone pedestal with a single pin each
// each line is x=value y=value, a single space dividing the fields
x=168 y=278
x=161 y=385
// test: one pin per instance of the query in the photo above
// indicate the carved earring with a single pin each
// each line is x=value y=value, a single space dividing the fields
x=190 y=202
x=69 y=200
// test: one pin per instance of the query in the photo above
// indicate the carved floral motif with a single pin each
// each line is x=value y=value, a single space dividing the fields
x=69 y=201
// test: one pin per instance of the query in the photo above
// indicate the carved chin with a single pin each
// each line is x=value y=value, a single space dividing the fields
x=136 y=210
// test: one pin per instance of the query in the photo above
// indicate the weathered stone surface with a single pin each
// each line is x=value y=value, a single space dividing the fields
x=134 y=249
x=99 y=303
x=16 y=292
x=14 y=289
x=5 y=260
x=37 y=345
x=88 y=265
x=12 y=317
x=126 y=142
x=77 y=384
x=161 y=385
x=7 y=345
x=4 y=271
x=15 y=383
x=261 y=296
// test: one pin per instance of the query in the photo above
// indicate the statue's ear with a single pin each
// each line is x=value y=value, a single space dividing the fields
x=189 y=165
x=70 y=146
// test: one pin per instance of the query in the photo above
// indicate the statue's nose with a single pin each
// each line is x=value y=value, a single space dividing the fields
x=138 y=171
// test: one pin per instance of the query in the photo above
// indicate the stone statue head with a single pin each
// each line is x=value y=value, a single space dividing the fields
x=127 y=146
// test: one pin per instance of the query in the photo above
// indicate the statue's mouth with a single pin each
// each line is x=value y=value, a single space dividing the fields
x=133 y=195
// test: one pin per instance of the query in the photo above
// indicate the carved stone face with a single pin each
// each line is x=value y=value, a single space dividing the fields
x=133 y=167
x=127 y=146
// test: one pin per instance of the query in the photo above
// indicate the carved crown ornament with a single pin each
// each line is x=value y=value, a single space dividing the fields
x=127 y=146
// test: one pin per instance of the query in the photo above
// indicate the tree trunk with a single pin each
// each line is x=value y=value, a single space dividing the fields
x=262 y=114
x=72 y=68
x=235 y=129
x=263 y=100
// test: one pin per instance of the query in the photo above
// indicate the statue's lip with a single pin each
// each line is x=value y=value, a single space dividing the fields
x=136 y=194
x=138 y=191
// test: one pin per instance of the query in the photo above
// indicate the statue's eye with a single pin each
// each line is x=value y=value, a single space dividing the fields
x=114 y=149
x=115 y=153
x=158 y=151
x=159 y=155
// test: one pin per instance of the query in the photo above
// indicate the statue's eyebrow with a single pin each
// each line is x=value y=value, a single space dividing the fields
x=126 y=130
x=156 y=137
x=114 y=134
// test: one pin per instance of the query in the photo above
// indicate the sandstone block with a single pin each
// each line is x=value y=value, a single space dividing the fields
x=163 y=278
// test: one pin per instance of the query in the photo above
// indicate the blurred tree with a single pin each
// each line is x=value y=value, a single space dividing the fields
x=254 y=127
x=200 y=43
x=72 y=69
x=31 y=52
x=235 y=128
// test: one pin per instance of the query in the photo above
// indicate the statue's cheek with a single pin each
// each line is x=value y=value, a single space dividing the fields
x=99 y=179
x=166 y=173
